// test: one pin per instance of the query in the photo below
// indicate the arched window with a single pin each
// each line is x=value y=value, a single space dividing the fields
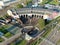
x=32 y=15
x=35 y=15
x=26 y=15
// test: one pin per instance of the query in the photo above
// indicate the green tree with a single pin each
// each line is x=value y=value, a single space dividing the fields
x=19 y=6
x=2 y=29
x=30 y=1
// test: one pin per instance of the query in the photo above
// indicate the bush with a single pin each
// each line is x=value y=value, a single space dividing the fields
x=8 y=35
x=29 y=2
x=2 y=29
x=19 y=6
x=1 y=39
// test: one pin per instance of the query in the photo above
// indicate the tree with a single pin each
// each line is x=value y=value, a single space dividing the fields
x=30 y=1
x=19 y=6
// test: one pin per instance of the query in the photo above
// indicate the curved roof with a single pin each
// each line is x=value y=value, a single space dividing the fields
x=34 y=10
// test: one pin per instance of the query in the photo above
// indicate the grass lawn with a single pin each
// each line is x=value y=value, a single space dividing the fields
x=46 y=33
x=1 y=39
x=19 y=6
x=23 y=42
x=30 y=1
x=54 y=2
x=8 y=35
x=41 y=24
x=58 y=42
x=4 y=28
x=36 y=42
x=12 y=43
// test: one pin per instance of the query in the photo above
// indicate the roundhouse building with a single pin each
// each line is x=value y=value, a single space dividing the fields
x=37 y=12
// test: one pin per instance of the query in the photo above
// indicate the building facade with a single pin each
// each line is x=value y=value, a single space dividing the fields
x=4 y=3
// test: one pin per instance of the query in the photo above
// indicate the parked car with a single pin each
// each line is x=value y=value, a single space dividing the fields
x=56 y=10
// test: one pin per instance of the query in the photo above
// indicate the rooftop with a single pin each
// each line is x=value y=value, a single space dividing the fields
x=31 y=32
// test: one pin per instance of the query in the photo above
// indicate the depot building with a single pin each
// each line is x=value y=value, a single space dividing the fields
x=33 y=12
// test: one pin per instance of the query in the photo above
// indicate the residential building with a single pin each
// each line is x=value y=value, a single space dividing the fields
x=30 y=33
x=4 y=3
